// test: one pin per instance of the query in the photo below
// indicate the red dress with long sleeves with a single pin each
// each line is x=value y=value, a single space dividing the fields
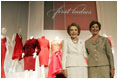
x=3 y=53
x=44 y=53
x=17 y=52
x=55 y=62
x=29 y=48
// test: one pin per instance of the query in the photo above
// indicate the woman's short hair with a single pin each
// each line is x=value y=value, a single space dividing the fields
x=73 y=24
x=94 y=22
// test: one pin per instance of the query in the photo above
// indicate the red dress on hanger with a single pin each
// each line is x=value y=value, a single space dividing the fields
x=29 y=49
x=55 y=62
x=17 y=52
x=44 y=53
x=3 y=53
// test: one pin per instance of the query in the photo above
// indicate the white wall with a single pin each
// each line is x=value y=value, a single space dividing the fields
x=14 y=15
x=35 y=19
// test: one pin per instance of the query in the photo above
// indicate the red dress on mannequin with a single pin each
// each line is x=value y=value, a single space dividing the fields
x=17 y=52
x=3 y=53
x=29 y=49
x=55 y=61
x=44 y=53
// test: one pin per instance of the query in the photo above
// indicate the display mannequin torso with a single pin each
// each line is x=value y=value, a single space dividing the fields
x=44 y=53
x=56 y=45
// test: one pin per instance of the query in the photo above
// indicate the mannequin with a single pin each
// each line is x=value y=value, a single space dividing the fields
x=55 y=62
x=31 y=37
x=30 y=50
x=44 y=54
x=3 y=35
x=56 y=44
x=17 y=46
x=4 y=50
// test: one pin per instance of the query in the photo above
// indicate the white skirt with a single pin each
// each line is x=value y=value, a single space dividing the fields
x=77 y=72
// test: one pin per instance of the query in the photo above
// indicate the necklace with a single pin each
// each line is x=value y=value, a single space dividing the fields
x=75 y=42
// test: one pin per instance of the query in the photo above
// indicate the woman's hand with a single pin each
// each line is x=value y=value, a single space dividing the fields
x=65 y=72
x=112 y=73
